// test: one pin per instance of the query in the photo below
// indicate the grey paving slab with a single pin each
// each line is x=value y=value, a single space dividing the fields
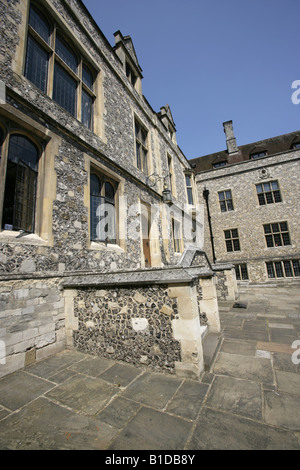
x=282 y=361
x=119 y=412
x=153 y=389
x=288 y=382
x=153 y=430
x=44 y=425
x=83 y=393
x=188 y=399
x=282 y=410
x=216 y=430
x=244 y=348
x=244 y=367
x=93 y=366
x=242 y=397
x=18 y=389
x=121 y=374
x=55 y=364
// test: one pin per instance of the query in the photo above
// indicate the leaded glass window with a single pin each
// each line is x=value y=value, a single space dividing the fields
x=20 y=184
x=102 y=209
x=67 y=73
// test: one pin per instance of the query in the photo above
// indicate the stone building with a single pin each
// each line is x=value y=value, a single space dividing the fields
x=101 y=241
x=251 y=195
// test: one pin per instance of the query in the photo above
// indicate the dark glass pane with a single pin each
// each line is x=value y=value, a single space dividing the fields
x=145 y=160
x=95 y=185
x=229 y=205
x=229 y=245
x=190 y=196
x=95 y=203
x=267 y=187
x=223 y=206
x=270 y=270
x=109 y=192
x=286 y=239
x=227 y=234
x=278 y=268
x=144 y=137
x=277 y=196
x=188 y=181
x=277 y=239
x=138 y=155
x=66 y=54
x=267 y=228
x=283 y=227
x=269 y=198
x=244 y=271
x=275 y=228
x=288 y=269
x=36 y=67
x=64 y=89
x=21 y=148
x=259 y=188
x=39 y=24
x=261 y=199
x=25 y=196
x=234 y=233
x=9 y=196
x=236 y=245
x=274 y=185
x=296 y=266
x=269 y=240
x=87 y=77
x=237 y=272
x=20 y=184
x=86 y=109
x=228 y=194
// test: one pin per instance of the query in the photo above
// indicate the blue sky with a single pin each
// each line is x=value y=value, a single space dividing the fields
x=213 y=61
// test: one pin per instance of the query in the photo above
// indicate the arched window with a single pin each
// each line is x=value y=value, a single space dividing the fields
x=102 y=209
x=20 y=184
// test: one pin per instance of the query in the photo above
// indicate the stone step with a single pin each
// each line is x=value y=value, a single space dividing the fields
x=210 y=344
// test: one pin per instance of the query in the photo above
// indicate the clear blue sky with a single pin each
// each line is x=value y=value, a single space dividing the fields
x=213 y=61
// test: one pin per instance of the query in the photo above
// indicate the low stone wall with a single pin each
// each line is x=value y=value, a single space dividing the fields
x=32 y=322
x=156 y=317
x=131 y=324
x=149 y=317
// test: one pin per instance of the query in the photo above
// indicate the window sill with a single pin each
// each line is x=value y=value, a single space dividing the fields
x=100 y=246
x=18 y=237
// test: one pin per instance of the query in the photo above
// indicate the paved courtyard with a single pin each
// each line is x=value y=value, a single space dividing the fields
x=249 y=399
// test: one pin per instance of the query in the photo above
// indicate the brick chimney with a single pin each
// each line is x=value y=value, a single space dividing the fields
x=230 y=139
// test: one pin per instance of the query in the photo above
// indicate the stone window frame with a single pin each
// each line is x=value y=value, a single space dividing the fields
x=241 y=272
x=57 y=29
x=14 y=122
x=94 y=166
x=277 y=234
x=232 y=241
x=268 y=196
x=282 y=268
x=226 y=204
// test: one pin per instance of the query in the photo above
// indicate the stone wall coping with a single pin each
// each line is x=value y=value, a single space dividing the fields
x=174 y=275
x=222 y=267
